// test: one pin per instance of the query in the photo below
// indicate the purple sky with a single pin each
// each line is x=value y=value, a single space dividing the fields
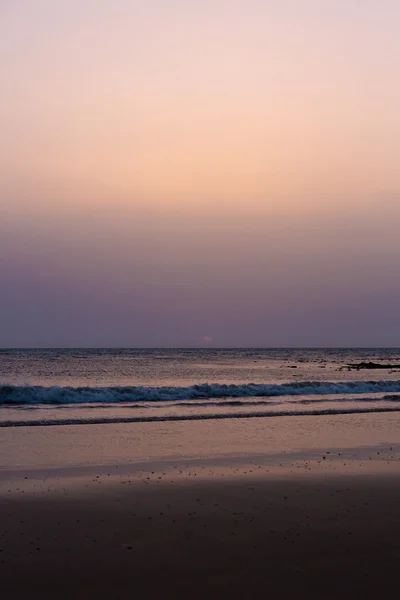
x=221 y=174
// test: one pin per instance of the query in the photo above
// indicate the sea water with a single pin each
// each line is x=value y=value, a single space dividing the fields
x=59 y=386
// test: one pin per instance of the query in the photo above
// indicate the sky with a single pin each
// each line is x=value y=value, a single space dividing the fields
x=217 y=173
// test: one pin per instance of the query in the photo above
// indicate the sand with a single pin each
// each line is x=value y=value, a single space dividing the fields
x=310 y=522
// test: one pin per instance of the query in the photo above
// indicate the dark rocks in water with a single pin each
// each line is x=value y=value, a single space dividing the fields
x=369 y=365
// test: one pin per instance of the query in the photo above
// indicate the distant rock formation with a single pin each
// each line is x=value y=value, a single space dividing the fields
x=369 y=365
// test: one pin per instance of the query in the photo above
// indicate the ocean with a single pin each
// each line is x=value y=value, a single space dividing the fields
x=62 y=386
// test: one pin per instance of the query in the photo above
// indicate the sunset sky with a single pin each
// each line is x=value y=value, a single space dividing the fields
x=176 y=173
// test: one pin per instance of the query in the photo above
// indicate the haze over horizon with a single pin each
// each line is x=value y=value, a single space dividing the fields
x=223 y=173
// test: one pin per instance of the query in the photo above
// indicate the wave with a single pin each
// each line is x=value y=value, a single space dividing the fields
x=27 y=395
x=215 y=403
x=204 y=417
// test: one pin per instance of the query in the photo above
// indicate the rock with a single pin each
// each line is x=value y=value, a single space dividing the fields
x=369 y=365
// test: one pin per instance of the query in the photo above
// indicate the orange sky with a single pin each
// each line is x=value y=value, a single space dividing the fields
x=226 y=98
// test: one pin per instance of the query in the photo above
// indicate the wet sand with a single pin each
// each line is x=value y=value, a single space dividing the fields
x=307 y=523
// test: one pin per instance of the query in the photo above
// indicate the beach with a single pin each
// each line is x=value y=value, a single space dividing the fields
x=199 y=306
x=302 y=506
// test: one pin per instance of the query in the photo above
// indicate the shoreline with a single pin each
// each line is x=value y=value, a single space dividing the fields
x=204 y=417
x=63 y=446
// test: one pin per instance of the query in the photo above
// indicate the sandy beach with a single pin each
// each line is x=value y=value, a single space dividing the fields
x=308 y=521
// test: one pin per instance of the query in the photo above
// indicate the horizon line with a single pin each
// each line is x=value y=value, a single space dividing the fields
x=205 y=347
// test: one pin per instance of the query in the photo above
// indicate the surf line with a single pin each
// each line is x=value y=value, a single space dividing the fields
x=111 y=420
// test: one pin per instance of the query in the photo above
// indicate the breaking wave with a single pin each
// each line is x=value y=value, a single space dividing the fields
x=14 y=395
